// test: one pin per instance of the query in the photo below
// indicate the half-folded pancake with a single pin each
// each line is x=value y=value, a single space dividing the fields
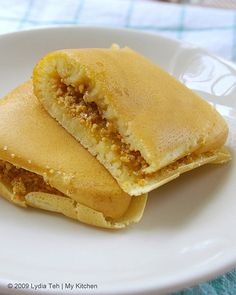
x=142 y=124
x=43 y=166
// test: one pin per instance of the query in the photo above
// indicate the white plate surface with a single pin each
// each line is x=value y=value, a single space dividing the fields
x=187 y=233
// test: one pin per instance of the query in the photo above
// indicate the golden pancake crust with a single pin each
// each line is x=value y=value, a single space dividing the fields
x=31 y=139
x=154 y=113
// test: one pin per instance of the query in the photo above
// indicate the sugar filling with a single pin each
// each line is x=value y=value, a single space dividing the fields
x=22 y=181
x=73 y=100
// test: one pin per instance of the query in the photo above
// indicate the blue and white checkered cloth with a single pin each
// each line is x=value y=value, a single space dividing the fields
x=212 y=29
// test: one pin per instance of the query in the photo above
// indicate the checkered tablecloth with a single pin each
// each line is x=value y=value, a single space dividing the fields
x=212 y=29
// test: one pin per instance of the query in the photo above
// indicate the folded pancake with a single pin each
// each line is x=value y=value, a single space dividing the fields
x=43 y=166
x=142 y=124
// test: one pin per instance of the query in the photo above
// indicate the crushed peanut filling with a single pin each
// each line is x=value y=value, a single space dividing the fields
x=73 y=100
x=22 y=181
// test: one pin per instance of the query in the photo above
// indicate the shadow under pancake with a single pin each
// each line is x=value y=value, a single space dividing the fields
x=182 y=200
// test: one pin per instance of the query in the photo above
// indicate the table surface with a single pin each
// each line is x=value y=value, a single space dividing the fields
x=227 y=4
x=210 y=28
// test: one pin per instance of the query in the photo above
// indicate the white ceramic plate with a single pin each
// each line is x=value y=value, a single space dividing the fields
x=187 y=233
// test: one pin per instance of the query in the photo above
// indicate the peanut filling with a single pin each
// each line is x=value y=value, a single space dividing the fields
x=91 y=116
x=22 y=181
